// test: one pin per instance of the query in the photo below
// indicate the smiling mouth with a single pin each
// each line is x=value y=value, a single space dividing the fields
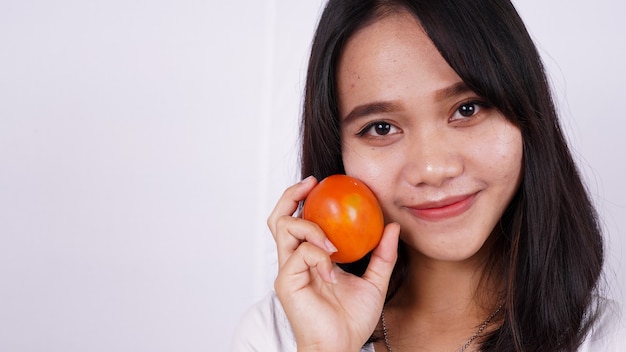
x=448 y=208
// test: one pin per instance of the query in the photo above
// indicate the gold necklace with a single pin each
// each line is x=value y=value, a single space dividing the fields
x=463 y=348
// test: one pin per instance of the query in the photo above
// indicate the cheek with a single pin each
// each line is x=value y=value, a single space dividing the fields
x=506 y=154
x=374 y=167
x=362 y=166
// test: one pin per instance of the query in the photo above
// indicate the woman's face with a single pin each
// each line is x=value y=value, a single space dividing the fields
x=442 y=162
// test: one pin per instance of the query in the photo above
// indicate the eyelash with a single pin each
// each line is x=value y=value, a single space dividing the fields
x=477 y=105
x=373 y=124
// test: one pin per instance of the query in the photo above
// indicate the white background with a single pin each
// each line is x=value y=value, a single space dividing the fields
x=143 y=144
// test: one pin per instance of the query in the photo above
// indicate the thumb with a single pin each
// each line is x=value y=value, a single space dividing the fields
x=383 y=258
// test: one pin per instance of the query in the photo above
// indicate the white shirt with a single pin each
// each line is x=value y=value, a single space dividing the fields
x=265 y=328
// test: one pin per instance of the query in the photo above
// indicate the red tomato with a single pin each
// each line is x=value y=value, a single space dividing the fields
x=348 y=213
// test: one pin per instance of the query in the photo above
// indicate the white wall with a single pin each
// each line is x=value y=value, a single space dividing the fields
x=143 y=144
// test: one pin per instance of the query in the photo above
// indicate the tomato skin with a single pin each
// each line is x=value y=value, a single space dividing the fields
x=348 y=213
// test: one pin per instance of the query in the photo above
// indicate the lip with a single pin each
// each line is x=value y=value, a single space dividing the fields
x=444 y=209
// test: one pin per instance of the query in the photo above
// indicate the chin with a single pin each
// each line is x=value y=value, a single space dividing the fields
x=449 y=251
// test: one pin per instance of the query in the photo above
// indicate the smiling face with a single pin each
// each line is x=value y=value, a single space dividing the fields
x=442 y=162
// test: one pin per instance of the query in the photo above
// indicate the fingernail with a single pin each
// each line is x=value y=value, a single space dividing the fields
x=330 y=247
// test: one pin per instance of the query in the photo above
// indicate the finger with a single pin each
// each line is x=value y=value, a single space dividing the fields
x=289 y=201
x=296 y=273
x=291 y=232
x=384 y=258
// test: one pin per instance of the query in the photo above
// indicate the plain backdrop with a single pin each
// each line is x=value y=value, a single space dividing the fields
x=144 y=143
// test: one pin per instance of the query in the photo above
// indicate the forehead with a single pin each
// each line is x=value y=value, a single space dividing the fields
x=390 y=56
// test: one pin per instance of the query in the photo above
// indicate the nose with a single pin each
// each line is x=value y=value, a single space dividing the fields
x=432 y=159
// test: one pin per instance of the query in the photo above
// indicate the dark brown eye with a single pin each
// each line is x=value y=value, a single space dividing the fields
x=467 y=110
x=382 y=128
x=378 y=129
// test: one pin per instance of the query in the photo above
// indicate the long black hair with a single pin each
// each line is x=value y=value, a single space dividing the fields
x=548 y=248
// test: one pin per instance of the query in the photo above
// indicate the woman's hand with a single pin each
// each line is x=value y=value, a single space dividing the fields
x=329 y=309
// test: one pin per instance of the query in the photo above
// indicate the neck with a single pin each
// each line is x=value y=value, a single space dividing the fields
x=443 y=302
x=446 y=286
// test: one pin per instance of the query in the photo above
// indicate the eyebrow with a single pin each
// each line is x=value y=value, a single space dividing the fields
x=370 y=109
x=380 y=107
x=452 y=91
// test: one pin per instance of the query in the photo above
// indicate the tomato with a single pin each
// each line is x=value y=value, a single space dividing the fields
x=348 y=213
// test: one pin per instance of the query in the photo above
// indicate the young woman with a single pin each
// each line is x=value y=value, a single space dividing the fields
x=492 y=244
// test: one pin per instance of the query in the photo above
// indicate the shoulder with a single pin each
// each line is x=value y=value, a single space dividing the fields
x=609 y=330
x=264 y=327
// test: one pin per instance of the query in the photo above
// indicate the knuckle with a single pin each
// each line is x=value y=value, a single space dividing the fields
x=271 y=222
x=311 y=251
x=279 y=226
x=278 y=283
x=289 y=191
x=282 y=221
